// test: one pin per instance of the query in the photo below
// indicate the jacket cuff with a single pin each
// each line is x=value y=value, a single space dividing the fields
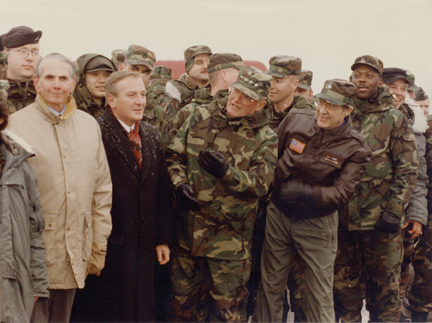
x=395 y=208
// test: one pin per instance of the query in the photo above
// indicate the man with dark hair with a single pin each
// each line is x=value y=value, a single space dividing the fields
x=74 y=183
x=370 y=247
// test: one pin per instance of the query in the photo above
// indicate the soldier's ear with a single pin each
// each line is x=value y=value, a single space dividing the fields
x=121 y=67
x=380 y=82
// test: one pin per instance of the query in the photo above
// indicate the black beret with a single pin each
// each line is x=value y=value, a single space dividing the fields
x=20 y=36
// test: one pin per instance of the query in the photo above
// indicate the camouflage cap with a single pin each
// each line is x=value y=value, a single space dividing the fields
x=253 y=82
x=305 y=81
x=20 y=36
x=392 y=74
x=283 y=66
x=118 y=56
x=338 y=92
x=373 y=62
x=420 y=95
x=193 y=51
x=100 y=63
x=220 y=61
x=161 y=72
x=139 y=55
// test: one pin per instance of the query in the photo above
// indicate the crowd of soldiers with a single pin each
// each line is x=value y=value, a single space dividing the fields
x=229 y=194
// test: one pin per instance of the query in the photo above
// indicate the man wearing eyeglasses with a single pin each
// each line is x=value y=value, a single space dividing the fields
x=370 y=245
x=221 y=162
x=22 y=47
x=320 y=161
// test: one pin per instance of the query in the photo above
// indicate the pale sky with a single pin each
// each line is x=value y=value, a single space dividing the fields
x=326 y=34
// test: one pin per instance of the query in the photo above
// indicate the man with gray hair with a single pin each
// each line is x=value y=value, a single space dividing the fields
x=74 y=183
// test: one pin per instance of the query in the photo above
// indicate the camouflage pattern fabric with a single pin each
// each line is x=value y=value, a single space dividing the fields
x=223 y=228
x=202 y=96
x=193 y=51
x=283 y=66
x=305 y=81
x=252 y=82
x=299 y=103
x=3 y=65
x=389 y=179
x=373 y=62
x=220 y=61
x=118 y=57
x=379 y=254
x=207 y=289
x=153 y=113
x=139 y=55
x=420 y=294
x=84 y=100
x=161 y=72
x=20 y=94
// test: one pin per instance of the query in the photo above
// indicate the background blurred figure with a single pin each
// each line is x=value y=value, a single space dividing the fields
x=422 y=99
x=89 y=94
x=305 y=85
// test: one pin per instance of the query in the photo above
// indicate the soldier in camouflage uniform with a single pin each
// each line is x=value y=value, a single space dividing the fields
x=181 y=92
x=158 y=80
x=370 y=246
x=140 y=59
x=118 y=57
x=304 y=87
x=221 y=161
x=285 y=71
x=22 y=46
x=422 y=100
x=223 y=69
x=89 y=94
x=4 y=85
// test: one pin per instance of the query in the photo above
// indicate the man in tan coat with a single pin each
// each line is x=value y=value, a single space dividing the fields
x=74 y=183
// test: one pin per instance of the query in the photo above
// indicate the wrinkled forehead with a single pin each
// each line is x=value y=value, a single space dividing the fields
x=56 y=67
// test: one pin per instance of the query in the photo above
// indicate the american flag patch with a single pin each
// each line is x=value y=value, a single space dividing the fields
x=297 y=146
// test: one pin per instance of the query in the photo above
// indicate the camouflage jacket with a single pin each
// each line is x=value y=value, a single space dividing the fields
x=20 y=94
x=299 y=103
x=223 y=227
x=153 y=112
x=389 y=179
x=158 y=87
x=428 y=156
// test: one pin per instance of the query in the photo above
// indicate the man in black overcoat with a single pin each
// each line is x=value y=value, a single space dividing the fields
x=141 y=211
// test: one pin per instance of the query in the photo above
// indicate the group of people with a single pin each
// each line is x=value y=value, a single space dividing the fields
x=229 y=194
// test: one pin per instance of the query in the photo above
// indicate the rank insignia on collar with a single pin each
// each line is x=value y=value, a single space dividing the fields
x=297 y=146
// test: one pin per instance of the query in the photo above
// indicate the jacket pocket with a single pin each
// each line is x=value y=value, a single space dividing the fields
x=87 y=236
x=50 y=230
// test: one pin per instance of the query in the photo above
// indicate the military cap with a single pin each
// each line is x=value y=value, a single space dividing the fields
x=392 y=74
x=100 y=63
x=253 y=82
x=193 y=51
x=221 y=61
x=283 y=66
x=161 y=72
x=305 y=81
x=373 y=62
x=420 y=95
x=338 y=92
x=118 y=56
x=139 y=55
x=20 y=36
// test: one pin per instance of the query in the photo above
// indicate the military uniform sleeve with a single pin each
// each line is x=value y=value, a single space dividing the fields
x=101 y=209
x=255 y=182
x=37 y=251
x=428 y=156
x=404 y=160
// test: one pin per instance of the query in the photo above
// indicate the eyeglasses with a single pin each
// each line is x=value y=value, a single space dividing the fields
x=331 y=108
x=241 y=96
x=23 y=53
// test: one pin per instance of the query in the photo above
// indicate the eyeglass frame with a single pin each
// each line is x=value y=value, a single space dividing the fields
x=22 y=50
x=330 y=107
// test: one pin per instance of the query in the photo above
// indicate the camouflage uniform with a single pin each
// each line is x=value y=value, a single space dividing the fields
x=158 y=80
x=305 y=81
x=211 y=262
x=83 y=98
x=368 y=257
x=153 y=112
x=118 y=57
x=20 y=94
x=4 y=85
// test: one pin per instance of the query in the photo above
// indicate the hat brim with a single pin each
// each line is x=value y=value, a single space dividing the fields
x=139 y=62
x=413 y=87
x=329 y=99
x=390 y=79
x=101 y=69
x=304 y=87
x=354 y=66
x=275 y=74
x=246 y=90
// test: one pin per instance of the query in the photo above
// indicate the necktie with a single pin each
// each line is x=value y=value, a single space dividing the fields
x=135 y=142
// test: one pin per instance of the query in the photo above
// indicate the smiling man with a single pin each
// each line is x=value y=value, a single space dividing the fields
x=320 y=161
x=22 y=47
x=369 y=238
x=74 y=184
x=221 y=161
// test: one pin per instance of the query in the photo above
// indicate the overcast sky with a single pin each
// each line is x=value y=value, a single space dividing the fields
x=326 y=34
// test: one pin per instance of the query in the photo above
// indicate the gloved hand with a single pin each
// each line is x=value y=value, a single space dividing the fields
x=295 y=192
x=97 y=259
x=186 y=197
x=213 y=162
x=388 y=222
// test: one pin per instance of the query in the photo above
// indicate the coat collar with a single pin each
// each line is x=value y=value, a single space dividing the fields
x=42 y=106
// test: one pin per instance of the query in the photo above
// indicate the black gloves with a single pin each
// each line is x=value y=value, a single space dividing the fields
x=296 y=192
x=186 y=197
x=388 y=222
x=213 y=162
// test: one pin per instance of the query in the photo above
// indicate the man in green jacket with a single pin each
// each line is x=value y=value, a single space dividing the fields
x=221 y=162
x=369 y=238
